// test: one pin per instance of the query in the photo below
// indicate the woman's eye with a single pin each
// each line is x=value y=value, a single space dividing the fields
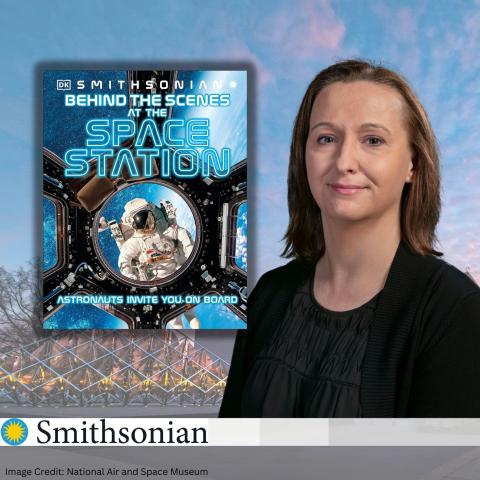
x=325 y=139
x=374 y=141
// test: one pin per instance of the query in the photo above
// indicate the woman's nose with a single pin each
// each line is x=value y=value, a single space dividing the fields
x=347 y=156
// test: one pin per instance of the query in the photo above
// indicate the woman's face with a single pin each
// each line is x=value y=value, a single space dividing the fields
x=358 y=154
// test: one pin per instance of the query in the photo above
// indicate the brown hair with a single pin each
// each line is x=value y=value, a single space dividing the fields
x=420 y=203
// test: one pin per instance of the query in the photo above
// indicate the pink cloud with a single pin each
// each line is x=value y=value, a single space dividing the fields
x=240 y=50
x=403 y=19
x=302 y=31
x=402 y=33
x=463 y=44
x=405 y=25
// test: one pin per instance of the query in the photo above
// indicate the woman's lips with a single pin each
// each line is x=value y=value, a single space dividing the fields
x=344 y=189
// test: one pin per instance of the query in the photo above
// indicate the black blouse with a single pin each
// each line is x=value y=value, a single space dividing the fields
x=311 y=367
x=422 y=357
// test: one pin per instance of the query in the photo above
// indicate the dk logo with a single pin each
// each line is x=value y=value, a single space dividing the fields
x=64 y=84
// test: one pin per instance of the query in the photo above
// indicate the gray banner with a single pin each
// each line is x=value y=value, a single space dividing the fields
x=240 y=463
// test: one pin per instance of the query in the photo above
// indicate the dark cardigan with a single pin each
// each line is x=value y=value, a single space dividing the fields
x=423 y=353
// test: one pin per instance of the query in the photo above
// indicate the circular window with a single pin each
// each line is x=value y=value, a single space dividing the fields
x=147 y=233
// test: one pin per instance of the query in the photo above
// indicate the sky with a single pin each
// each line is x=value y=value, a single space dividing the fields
x=433 y=43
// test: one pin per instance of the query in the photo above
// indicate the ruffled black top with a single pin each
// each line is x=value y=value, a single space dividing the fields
x=312 y=364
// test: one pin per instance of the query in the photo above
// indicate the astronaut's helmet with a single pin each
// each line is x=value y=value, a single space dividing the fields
x=144 y=216
x=136 y=215
x=144 y=221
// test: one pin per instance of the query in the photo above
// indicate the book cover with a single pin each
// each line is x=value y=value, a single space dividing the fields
x=144 y=199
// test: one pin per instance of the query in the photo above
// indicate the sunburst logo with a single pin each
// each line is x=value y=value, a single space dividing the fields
x=14 y=431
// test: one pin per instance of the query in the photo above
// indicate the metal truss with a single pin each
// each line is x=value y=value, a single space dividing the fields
x=110 y=368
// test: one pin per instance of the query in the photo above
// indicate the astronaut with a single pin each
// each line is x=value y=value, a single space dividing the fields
x=152 y=245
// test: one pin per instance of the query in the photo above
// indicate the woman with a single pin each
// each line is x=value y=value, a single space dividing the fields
x=366 y=321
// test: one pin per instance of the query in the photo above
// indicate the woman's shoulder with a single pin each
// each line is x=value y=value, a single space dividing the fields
x=290 y=271
x=452 y=302
x=273 y=291
x=285 y=279
x=452 y=282
x=433 y=274
x=448 y=290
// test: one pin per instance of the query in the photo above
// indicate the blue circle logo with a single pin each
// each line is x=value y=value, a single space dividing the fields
x=14 y=431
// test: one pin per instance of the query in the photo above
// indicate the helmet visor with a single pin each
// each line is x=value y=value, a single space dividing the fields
x=143 y=220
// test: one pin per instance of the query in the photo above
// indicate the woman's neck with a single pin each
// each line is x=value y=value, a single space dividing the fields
x=356 y=262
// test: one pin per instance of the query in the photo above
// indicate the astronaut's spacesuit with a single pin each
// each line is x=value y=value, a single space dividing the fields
x=153 y=245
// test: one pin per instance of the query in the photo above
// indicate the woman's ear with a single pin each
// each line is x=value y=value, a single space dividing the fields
x=411 y=170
